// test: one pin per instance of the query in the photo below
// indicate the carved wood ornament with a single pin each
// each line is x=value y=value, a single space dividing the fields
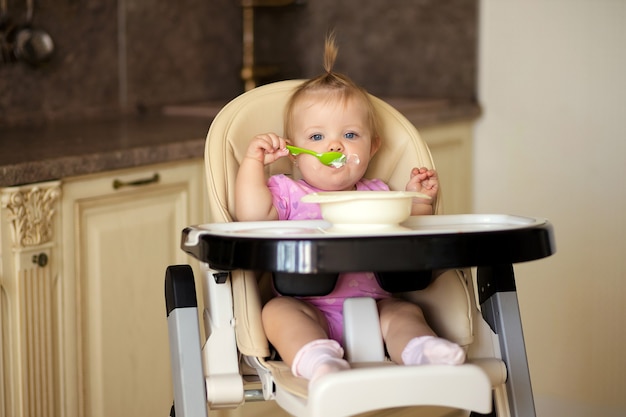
x=31 y=213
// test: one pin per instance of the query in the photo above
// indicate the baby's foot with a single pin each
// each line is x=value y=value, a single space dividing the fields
x=432 y=350
x=328 y=366
x=318 y=358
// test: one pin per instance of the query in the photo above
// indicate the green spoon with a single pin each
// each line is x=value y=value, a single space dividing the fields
x=335 y=159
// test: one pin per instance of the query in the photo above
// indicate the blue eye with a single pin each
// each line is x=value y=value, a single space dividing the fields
x=350 y=135
x=317 y=136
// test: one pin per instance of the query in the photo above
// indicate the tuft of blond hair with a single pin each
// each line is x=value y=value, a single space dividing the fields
x=335 y=86
x=330 y=52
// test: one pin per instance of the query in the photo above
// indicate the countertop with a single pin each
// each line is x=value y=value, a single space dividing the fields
x=61 y=150
x=55 y=151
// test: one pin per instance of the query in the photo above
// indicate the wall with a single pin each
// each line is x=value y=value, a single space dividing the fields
x=424 y=48
x=124 y=55
x=130 y=56
x=551 y=143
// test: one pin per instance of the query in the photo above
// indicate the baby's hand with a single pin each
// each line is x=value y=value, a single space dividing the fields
x=425 y=181
x=267 y=148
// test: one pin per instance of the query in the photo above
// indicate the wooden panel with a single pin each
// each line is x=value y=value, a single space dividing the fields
x=36 y=328
x=30 y=371
x=119 y=242
x=451 y=148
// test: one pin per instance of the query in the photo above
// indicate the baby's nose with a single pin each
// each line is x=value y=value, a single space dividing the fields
x=335 y=147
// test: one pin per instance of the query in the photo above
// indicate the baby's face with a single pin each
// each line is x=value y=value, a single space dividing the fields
x=332 y=126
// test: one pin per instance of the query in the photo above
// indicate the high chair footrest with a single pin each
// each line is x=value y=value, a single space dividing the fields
x=359 y=390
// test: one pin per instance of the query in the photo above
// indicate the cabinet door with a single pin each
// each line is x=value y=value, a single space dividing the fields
x=451 y=148
x=121 y=231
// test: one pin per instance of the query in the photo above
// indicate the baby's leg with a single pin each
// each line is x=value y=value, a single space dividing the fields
x=410 y=340
x=299 y=332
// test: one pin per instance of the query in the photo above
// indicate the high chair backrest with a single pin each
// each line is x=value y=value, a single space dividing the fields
x=261 y=110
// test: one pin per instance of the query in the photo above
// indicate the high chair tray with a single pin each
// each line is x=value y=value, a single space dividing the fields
x=420 y=243
x=491 y=242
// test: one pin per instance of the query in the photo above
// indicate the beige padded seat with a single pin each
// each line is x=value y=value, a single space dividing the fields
x=448 y=302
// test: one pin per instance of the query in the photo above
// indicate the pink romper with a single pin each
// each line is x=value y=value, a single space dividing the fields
x=286 y=195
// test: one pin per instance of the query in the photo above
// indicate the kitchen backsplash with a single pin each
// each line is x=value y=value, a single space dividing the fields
x=133 y=56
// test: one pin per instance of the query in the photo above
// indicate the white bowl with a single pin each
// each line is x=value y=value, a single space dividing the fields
x=364 y=210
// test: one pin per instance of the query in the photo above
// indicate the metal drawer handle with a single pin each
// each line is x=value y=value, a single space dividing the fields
x=117 y=184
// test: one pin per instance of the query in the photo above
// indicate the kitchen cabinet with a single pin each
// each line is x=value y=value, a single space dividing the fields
x=120 y=232
x=84 y=329
x=451 y=147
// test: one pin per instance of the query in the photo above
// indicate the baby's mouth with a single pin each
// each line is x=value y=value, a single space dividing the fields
x=346 y=159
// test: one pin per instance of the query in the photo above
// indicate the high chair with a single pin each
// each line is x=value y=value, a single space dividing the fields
x=236 y=363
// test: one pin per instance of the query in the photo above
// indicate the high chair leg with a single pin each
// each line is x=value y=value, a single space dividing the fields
x=184 y=339
x=500 y=309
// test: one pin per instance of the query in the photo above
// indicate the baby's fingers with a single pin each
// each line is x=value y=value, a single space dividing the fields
x=278 y=153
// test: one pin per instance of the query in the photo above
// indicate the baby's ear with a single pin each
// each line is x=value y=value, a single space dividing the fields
x=375 y=146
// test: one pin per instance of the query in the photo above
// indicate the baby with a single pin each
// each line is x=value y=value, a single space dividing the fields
x=331 y=113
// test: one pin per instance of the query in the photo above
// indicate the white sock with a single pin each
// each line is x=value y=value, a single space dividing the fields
x=432 y=350
x=317 y=358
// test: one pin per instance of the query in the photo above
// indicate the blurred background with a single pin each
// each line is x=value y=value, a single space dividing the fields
x=551 y=143
x=548 y=76
x=135 y=55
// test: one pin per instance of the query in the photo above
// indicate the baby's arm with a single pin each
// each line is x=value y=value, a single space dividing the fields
x=253 y=199
x=425 y=181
